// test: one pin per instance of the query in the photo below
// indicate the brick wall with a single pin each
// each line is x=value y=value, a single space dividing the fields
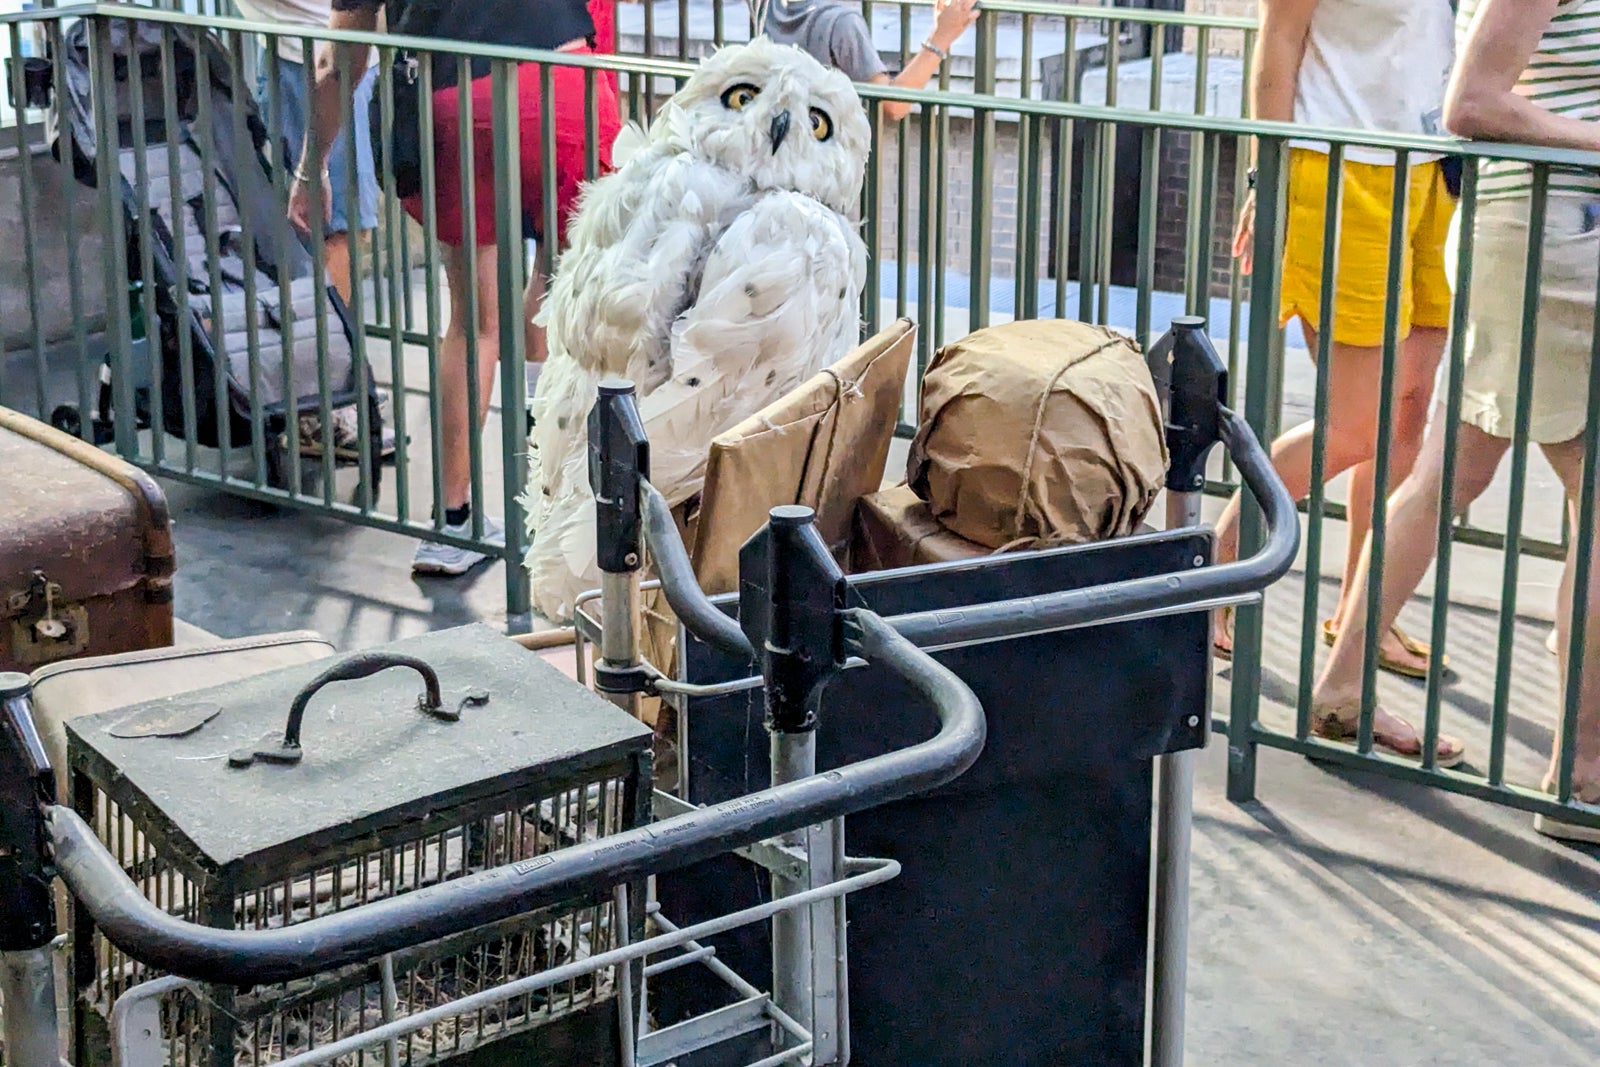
x=1222 y=42
x=1172 y=220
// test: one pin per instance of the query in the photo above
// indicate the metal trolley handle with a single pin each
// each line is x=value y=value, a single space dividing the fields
x=1230 y=583
x=252 y=957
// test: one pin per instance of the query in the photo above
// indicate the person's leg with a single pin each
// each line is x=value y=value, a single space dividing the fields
x=536 y=350
x=1353 y=376
x=457 y=421
x=1412 y=533
x=1567 y=459
x=1418 y=361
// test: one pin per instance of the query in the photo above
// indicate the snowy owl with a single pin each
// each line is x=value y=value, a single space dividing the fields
x=718 y=268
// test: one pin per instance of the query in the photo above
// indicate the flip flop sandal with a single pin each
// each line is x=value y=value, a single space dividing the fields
x=1388 y=663
x=1332 y=724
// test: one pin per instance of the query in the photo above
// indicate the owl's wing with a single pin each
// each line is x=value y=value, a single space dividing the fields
x=638 y=240
x=779 y=300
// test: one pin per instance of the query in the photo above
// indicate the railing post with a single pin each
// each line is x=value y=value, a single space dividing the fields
x=1262 y=393
x=513 y=371
x=108 y=181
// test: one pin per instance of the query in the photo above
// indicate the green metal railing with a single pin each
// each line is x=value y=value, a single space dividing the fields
x=928 y=263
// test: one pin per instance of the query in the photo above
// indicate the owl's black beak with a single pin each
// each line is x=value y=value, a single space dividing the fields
x=780 y=129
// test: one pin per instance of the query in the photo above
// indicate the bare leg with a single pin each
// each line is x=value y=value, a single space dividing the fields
x=1413 y=520
x=1567 y=459
x=1353 y=389
x=1419 y=360
x=457 y=423
x=536 y=349
x=336 y=260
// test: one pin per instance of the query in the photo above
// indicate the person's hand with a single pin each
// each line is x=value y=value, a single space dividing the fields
x=950 y=20
x=1244 y=235
x=300 y=204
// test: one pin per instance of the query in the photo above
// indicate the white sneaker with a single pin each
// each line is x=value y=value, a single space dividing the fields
x=435 y=558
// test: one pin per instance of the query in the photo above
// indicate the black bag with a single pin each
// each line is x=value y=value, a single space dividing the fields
x=1450 y=166
x=405 y=132
x=414 y=19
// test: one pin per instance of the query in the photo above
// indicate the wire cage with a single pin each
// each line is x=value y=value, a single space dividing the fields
x=222 y=818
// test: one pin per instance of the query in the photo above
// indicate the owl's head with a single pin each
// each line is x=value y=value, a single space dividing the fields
x=772 y=112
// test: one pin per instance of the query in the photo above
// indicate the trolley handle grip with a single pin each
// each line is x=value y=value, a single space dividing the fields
x=255 y=957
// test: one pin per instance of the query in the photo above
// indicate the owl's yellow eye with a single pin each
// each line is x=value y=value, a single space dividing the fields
x=739 y=96
x=821 y=125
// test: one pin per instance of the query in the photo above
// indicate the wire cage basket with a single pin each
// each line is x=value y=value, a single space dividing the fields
x=222 y=817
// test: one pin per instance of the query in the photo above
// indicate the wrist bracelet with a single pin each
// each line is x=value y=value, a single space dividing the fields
x=301 y=176
x=929 y=46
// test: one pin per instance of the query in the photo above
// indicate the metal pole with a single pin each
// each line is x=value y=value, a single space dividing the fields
x=794 y=756
x=1174 y=822
x=28 y=990
x=799 y=649
x=27 y=964
x=619 y=630
x=1192 y=379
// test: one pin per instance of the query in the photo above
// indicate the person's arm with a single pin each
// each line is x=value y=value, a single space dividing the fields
x=1482 y=102
x=323 y=104
x=1280 y=49
x=950 y=20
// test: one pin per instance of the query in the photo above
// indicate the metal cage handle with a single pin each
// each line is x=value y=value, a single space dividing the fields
x=349 y=669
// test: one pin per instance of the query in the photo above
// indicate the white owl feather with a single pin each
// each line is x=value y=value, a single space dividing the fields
x=719 y=267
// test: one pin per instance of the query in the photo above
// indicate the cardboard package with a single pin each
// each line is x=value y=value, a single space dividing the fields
x=895 y=528
x=1038 y=433
x=825 y=445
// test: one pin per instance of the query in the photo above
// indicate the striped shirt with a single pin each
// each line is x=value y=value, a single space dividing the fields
x=1562 y=76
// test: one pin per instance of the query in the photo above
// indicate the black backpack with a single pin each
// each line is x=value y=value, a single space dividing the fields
x=416 y=18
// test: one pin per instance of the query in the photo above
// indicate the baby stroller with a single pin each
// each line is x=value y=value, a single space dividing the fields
x=210 y=281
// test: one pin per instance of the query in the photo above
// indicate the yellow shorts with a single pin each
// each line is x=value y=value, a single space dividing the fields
x=1363 y=270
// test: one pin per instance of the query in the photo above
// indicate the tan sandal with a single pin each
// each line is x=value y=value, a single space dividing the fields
x=1336 y=723
x=1406 y=670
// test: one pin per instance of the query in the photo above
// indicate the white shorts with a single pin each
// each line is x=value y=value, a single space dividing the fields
x=1564 y=337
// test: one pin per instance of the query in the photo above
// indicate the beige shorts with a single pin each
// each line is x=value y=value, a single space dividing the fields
x=1565 y=335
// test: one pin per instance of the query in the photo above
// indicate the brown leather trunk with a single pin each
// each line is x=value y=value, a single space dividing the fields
x=86 y=555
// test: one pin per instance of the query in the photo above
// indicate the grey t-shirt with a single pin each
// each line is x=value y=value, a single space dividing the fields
x=833 y=31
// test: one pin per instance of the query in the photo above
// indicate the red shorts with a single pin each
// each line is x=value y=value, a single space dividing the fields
x=571 y=157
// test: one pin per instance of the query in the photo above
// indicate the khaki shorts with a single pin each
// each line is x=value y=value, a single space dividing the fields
x=1365 y=215
x=1564 y=335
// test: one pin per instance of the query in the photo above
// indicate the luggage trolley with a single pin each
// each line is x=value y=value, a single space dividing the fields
x=817 y=643
x=1022 y=931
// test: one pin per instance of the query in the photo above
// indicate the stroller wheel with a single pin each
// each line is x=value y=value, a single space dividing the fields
x=67 y=419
